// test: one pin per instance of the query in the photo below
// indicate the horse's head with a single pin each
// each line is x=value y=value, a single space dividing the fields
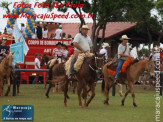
x=150 y=67
x=44 y=59
x=98 y=61
x=9 y=59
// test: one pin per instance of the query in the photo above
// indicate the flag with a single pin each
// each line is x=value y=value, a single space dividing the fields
x=18 y=49
x=19 y=38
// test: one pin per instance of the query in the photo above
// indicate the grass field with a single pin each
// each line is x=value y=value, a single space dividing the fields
x=53 y=110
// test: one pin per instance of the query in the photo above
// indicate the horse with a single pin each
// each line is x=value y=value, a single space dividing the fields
x=86 y=76
x=5 y=71
x=45 y=60
x=133 y=71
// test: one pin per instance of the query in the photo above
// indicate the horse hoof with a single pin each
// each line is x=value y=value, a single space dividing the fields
x=85 y=107
x=135 y=105
x=6 y=94
x=106 y=102
x=47 y=96
x=65 y=104
x=81 y=106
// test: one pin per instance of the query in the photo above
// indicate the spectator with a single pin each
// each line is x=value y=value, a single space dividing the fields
x=63 y=35
x=37 y=66
x=52 y=36
x=4 y=49
x=144 y=56
x=65 y=52
x=45 y=32
x=39 y=31
x=58 y=52
x=22 y=28
x=58 y=32
x=104 y=50
x=71 y=50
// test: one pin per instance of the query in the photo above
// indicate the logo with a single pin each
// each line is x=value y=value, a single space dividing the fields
x=17 y=112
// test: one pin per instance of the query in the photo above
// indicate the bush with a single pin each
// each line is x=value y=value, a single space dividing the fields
x=143 y=51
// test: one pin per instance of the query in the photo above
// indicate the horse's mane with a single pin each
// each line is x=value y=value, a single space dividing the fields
x=134 y=62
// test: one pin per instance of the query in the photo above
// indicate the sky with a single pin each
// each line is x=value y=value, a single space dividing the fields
x=3 y=22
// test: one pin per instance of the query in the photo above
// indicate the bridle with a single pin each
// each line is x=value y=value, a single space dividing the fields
x=97 y=68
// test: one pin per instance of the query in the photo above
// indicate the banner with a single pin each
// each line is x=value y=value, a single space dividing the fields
x=18 y=48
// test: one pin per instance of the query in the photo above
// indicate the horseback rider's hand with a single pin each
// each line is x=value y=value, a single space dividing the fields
x=130 y=56
x=84 y=51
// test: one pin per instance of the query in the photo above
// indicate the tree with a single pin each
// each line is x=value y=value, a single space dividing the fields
x=5 y=5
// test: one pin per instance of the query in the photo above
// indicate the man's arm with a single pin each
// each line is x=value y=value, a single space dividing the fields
x=78 y=47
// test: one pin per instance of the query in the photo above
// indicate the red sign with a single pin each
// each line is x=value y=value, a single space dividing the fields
x=43 y=46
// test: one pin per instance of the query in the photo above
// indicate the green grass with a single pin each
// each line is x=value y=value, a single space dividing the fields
x=53 y=110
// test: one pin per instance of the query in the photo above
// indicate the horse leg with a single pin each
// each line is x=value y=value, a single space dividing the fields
x=8 y=84
x=84 y=95
x=65 y=92
x=93 y=92
x=79 y=93
x=47 y=93
x=120 y=89
x=1 y=87
x=133 y=96
x=106 y=79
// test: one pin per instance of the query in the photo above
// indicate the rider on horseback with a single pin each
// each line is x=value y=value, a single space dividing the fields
x=4 y=49
x=123 y=55
x=82 y=43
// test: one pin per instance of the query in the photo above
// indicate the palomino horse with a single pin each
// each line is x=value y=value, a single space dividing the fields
x=5 y=71
x=133 y=71
x=86 y=76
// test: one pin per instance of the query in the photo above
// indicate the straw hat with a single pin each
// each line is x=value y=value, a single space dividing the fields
x=105 y=45
x=85 y=27
x=124 y=37
x=60 y=26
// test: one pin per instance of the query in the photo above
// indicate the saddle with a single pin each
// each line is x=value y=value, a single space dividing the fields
x=78 y=62
x=112 y=68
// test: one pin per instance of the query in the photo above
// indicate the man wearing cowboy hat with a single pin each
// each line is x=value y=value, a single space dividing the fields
x=4 y=49
x=123 y=54
x=82 y=44
x=104 y=50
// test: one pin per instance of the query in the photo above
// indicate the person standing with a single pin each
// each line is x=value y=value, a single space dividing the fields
x=58 y=32
x=45 y=32
x=39 y=31
x=4 y=49
x=123 y=55
x=65 y=52
x=83 y=44
x=37 y=66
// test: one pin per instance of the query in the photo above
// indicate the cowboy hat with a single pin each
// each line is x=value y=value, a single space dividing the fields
x=85 y=27
x=4 y=38
x=124 y=37
x=105 y=45
x=60 y=26
x=59 y=43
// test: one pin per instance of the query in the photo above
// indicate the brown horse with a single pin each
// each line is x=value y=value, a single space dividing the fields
x=5 y=71
x=86 y=76
x=134 y=70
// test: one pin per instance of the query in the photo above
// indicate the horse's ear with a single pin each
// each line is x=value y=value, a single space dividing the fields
x=150 y=58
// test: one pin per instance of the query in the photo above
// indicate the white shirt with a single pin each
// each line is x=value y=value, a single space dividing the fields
x=65 y=52
x=37 y=62
x=121 y=49
x=84 y=42
x=44 y=33
x=156 y=56
x=104 y=51
x=58 y=32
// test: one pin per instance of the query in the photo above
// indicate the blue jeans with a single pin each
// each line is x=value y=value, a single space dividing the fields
x=119 y=66
x=72 y=64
